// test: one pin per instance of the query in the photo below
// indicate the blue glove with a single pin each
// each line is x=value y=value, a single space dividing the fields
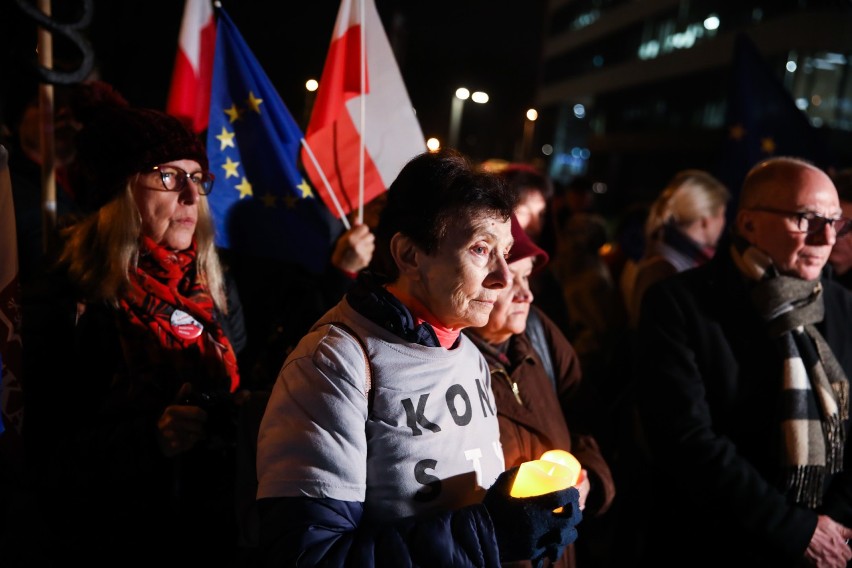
x=526 y=527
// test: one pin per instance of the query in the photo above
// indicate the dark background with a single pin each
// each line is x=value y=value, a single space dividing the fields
x=440 y=45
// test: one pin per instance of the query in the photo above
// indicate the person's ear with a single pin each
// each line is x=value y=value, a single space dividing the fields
x=745 y=222
x=406 y=255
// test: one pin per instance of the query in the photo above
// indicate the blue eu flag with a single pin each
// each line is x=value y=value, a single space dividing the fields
x=762 y=120
x=261 y=203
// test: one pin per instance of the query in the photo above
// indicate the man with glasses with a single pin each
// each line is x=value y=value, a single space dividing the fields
x=743 y=365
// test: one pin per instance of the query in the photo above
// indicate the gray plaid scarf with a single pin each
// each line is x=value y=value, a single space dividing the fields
x=815 y=404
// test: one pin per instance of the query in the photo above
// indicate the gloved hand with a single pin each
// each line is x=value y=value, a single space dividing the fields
x=526 y=527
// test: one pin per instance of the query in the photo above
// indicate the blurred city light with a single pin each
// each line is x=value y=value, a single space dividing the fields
x=479 y=97
x=711 y=22
x=462 y=94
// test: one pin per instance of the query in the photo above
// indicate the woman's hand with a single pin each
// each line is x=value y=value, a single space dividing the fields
x=354 y=249
x=180 y=426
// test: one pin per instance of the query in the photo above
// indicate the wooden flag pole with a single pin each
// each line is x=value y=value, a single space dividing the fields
x=48 y=147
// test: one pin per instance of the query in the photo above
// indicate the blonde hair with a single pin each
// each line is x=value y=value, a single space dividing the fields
x=101 y=249
x=689 y=196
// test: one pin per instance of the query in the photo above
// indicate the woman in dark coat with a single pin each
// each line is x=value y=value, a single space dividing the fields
x=130 y=357
x=533 y=409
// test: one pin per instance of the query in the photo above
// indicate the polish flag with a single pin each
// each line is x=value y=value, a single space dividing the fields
x=189 y=96
x=363 y=128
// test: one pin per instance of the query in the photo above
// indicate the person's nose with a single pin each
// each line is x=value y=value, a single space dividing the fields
x=500 y=276
x=523 y=292
x=825 y=236
x=189 y=193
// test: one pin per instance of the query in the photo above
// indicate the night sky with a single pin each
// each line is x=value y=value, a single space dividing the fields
x=490 y=45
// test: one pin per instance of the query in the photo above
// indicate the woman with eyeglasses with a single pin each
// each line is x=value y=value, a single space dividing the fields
x=131 y=355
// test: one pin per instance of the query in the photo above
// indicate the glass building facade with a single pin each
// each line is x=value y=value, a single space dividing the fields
x=632 y=91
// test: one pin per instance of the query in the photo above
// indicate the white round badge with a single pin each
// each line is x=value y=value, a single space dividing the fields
x=185 y=326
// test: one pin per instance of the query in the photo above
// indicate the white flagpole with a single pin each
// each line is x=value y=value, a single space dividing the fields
x=363 y=113
x=326 y=183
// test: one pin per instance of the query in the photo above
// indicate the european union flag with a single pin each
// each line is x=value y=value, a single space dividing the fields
x=261 y=203
x=762 y=120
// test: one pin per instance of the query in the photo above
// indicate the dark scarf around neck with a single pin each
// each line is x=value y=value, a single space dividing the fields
x=674 y=238
x=816 y=389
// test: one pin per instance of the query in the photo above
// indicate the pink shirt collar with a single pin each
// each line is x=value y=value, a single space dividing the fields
x=446 y=336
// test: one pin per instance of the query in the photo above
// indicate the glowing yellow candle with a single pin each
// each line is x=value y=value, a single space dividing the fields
x=568 y=460
x=538 y=477
x=557 y=469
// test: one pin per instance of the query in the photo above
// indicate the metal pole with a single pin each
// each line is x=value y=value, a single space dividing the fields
x=455 y=121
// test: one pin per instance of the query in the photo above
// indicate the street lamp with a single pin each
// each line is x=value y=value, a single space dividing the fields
x=529 y=129
x=311 y=86
x=460 y=97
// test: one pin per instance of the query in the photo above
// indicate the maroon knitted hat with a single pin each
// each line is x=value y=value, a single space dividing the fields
x=524 y=247
x=117 y=141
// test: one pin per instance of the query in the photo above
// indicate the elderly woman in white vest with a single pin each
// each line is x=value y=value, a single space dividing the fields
x=380 y=440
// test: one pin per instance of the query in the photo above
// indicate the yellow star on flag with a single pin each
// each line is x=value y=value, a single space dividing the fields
x=767 y=145
x=230 y=168
x=290 y=201
x=253 y=102
x=305 y=189
x=226 y=139
x=269 y=200
x=233 y=113
x=737 y=132
x=244 y=187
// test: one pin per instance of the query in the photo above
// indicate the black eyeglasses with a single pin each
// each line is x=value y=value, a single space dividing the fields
x=810 y=222
x=174 y=179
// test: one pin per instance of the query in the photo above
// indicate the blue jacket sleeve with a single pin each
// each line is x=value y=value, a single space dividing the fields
x=304 y=531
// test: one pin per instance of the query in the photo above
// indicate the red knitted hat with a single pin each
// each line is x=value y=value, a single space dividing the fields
x=524 y=247
x=117 y=141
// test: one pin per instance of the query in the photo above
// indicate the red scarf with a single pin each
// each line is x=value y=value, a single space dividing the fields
x=164 y=298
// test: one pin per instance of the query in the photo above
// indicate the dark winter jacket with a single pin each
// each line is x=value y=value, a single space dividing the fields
x=107 y=494
x=709 y=387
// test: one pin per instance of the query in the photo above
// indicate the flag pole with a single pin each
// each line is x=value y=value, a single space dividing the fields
x=326 y=184
x=363 y=113
x=48 y=148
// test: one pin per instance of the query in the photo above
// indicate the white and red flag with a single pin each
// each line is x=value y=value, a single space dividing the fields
x=189 y=95
x=11 y=395
x=363 y=128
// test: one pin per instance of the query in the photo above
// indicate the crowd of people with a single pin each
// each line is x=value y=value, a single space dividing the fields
x=377 y=414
